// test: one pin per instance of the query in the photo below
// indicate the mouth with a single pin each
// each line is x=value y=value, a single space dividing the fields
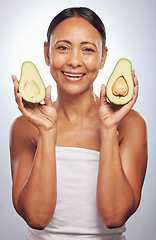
x=73 y=75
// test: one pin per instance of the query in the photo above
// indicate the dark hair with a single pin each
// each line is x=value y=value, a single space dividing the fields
x=83 y=12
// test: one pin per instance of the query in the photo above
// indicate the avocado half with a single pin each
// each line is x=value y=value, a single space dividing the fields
x=120 y=85
x=31 y=86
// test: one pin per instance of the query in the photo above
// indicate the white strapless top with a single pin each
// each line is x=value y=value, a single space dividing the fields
x=76 y=215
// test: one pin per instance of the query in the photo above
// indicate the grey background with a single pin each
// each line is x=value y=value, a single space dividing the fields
x=131 y=34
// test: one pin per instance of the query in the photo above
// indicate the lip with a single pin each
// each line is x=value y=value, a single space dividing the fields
x=73 y=76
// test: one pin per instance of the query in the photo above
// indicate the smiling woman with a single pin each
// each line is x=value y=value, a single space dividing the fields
x=79 y=169
x=71 y=57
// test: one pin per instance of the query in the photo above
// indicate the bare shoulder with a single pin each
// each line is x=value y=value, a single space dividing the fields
x=134 y=117
x=133 y=123
x=23 y=129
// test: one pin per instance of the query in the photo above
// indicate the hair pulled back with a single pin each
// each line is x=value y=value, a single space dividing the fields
x=83 y=12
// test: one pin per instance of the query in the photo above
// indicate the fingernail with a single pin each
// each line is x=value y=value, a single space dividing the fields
x=12 y=76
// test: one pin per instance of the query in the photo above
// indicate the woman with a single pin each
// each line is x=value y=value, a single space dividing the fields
x=78 y=166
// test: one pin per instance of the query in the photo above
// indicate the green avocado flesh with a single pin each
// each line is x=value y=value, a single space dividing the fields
x=31 y=86
x=120 y=85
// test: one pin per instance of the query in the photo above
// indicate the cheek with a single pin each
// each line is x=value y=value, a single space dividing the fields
x=55 y=62
x=93 y=63
x=54 y=66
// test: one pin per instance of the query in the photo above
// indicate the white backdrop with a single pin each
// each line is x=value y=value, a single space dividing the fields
x=130 y=27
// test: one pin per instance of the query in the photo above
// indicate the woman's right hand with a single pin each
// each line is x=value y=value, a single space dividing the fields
x=42 y=116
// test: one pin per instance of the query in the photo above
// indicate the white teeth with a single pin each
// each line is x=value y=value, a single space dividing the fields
x=73 y=75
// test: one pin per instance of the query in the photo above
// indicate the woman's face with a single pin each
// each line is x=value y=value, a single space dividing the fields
x=75 y=55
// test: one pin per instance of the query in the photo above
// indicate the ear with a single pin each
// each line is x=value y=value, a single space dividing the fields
x=103 y=58
x=46 y=53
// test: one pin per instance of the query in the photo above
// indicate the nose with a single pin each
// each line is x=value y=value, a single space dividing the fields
x=74 y=58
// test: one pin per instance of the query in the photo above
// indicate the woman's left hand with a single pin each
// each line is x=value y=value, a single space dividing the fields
x=110 y=115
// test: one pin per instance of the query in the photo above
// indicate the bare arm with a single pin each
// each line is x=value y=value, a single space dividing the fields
x=122 y=166
x=34 y=169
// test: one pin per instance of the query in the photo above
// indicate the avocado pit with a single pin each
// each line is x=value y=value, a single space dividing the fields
x=120 y=87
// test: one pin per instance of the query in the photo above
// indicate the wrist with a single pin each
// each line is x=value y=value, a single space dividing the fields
x=108 y=132
x=48 y=133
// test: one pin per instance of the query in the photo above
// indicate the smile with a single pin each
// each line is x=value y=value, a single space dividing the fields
x=73 y=75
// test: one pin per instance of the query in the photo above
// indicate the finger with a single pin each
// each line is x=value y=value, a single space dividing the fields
x=133 y=73
x=18 y=97
x=14 y=78
x=135 y=80
x=103 y=97
x=122 y=112
x=47 y=99
x=136 y=90
x=127 y=107
x=15 y=81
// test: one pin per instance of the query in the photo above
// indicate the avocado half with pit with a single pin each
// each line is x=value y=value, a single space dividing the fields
x=120 y=85
x=31 y=86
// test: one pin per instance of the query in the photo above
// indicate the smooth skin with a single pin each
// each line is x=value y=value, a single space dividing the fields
x=80 y=119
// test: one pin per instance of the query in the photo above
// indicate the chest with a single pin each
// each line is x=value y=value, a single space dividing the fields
x=85 y=135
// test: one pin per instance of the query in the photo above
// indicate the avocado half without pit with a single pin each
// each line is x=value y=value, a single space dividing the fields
x=31 y=86
x=120 y=85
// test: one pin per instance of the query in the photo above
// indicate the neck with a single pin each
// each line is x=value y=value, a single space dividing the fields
x=76 y=107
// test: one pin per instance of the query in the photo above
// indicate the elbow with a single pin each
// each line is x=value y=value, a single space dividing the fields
x=38 y=221
x=117 y=220
x=37 y=225
x=114 y=222
x=114 y=218
x=39 y=218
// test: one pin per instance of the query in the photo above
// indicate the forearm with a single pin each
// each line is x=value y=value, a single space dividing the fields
x=38 y=196
x=115 y=196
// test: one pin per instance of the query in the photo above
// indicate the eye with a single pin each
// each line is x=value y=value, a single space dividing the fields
x=88 y=50
x=62 y=48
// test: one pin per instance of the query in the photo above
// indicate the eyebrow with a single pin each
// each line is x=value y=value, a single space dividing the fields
x=84 y=42
x=63 y=41
x=89 y=43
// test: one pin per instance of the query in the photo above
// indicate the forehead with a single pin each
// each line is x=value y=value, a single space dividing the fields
x=76 y=28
